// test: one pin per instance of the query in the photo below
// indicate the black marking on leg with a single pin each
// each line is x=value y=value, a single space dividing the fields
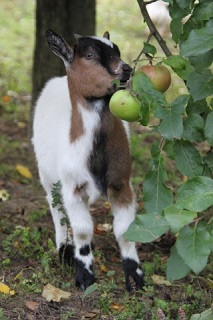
x=130 y=267
x=66 y=254
x=83 y=277
x=85 y=250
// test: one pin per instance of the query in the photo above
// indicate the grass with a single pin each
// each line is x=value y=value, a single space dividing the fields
x=28 y=256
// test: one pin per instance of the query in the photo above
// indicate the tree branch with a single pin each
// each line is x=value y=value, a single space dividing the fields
x=151 y=1
x=152 y=28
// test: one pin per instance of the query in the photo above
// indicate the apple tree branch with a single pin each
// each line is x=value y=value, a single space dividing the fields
x=153 y=31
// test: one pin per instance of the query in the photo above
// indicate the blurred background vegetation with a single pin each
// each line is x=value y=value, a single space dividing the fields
x=17 y=37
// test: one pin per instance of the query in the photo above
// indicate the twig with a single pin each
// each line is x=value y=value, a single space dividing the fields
x=140 y=54
x=154 y=32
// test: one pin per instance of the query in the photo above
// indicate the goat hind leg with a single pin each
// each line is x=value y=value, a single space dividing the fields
x=123 y=206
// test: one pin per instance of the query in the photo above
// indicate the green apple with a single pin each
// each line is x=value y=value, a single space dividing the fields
x=125 y=106
x=159 y=75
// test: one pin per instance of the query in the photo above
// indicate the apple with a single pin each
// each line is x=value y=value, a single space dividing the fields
x=159 y=75
x=125 y=106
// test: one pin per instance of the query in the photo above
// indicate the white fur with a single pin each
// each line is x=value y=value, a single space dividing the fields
x=104 y=40
x=59 y=160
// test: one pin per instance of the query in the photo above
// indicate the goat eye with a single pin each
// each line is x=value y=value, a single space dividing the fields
x=89 y=55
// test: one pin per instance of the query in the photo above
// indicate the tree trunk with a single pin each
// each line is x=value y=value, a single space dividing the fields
x=65 y=17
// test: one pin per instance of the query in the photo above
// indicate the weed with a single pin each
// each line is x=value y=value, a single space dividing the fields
x=2 y=317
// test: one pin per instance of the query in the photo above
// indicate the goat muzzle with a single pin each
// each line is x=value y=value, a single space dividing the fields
x=126 y=73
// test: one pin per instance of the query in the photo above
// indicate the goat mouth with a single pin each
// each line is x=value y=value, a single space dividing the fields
x=124 y=81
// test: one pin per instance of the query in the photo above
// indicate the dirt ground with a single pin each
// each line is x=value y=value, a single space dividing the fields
x=27 y=197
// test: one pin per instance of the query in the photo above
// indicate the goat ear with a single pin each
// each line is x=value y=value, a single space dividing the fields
x=59 y=47
x=106 y=35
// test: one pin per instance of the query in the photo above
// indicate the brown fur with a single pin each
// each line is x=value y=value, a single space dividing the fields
x=91 y=78
x=87 y=78
x=85 y=81
x=119 y=170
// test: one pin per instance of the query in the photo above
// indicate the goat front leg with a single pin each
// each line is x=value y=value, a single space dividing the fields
x=62 y=237
x=82 y=227
x=123 y=206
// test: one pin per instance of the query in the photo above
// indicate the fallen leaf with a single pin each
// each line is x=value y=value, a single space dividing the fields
x=107 y=205
x=24 y=171
x=4 y=195
x=209 y=282
x=21 y=124
x=115 y=306
x=5 y=289
x=91 y=315
x=16 y=244
x=159 y=280
x=104 y=227
x=18 y=276
x=103 y=268
x=32 y=305
x=6 y=98
x=51 y=293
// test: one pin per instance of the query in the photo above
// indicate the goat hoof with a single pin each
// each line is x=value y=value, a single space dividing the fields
x=66 y=255
x=133 y=275
x=84 y=277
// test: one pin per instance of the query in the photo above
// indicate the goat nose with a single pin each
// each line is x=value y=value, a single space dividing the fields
x=127 y=68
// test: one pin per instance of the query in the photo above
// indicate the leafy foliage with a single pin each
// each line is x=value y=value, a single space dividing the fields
x=184 y=127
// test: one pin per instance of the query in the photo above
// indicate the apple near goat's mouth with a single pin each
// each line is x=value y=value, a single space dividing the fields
x=125 y=106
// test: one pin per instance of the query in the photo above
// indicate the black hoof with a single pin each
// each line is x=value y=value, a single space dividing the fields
x=66 y=255
x=133 y=275
x=84 y=277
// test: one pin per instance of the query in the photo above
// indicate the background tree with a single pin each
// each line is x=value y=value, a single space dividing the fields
x=66 y=18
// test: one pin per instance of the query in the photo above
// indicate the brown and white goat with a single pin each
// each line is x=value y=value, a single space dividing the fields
x=79 y=142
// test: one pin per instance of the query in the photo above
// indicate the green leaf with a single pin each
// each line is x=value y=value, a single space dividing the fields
x=196 y=194
x=178 y=218
x=198 y=107
x=149 y=48
x=176 y=268
x=202 y=61
x=193 y=128
x=157 y=195
x=146 y=228
x=178 y=10
x=183 y=4
x=200 y=84
x=209 y=128
x=193 y=245
x=187 y=158
x=208 y=159
x=143 y=88
x=205 y=315
x=89 y=290
x=171 y=125
x=181 y=66
x=176 y=29
x=144 y=114
x=198 y=42
x=204 y=10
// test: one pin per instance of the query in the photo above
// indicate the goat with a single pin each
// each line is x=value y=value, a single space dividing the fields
x=79 y=142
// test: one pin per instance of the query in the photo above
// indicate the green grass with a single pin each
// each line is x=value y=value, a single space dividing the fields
x=16 y=45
